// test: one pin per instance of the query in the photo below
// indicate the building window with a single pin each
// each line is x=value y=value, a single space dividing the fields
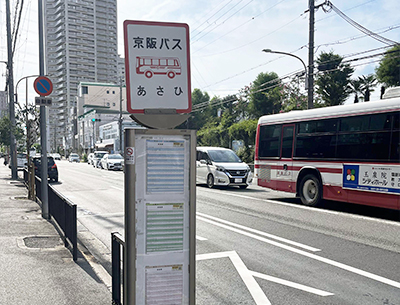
x=85 y=90
x=108 y=91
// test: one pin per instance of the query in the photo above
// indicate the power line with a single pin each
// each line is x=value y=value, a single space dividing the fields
x=205 y=21
x=241 y=25
x=359 y=26
x=218 y=25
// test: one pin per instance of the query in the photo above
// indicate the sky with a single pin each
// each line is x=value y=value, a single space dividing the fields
x=227 y=37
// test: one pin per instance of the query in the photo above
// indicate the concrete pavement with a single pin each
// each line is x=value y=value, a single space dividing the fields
x=35 y=267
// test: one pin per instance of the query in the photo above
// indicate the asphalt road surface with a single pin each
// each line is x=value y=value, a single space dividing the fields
x=257 y=246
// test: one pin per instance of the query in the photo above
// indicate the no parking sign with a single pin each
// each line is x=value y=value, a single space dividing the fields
x=43 y=86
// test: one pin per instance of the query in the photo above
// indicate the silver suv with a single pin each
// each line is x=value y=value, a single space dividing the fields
x=221 y=166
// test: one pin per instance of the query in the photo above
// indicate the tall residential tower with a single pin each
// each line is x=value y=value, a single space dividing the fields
x=81 y=46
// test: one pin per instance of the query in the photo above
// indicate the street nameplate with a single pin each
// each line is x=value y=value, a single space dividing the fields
x=42 y=101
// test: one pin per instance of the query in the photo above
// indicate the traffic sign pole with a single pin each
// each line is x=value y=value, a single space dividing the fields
x=43 y=129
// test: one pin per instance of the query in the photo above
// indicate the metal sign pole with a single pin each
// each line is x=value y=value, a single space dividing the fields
x=130 y=216
x=43 y=129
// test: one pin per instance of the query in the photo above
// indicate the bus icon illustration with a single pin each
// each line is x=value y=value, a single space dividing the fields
x=150 y=66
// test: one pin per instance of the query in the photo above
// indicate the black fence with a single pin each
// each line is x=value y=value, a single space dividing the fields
x=63 y=211
x=117 y=246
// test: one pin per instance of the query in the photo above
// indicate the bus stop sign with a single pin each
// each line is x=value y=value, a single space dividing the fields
x=157 y=67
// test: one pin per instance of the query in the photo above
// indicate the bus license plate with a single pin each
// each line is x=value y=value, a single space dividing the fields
x=238 y=180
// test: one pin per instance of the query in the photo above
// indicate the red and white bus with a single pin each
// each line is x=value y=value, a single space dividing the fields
x=149 y=65
x=348 y=153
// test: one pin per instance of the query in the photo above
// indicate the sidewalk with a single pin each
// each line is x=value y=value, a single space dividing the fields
x=35 y=267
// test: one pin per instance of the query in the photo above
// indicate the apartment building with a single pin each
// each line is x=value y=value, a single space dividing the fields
x=81 y=46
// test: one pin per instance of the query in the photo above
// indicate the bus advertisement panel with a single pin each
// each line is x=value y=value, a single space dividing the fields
x=348 y=153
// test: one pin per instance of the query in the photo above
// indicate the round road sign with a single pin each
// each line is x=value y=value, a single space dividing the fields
x=43 y=86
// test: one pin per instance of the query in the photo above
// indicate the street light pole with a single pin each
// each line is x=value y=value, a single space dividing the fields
x=120 y=116
x=13 y=151
x=307 y=82
x=311 y=56
x=28 y=131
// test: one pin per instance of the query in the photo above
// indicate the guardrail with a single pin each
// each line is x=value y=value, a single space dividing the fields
x=63 y=211
x=117 y=244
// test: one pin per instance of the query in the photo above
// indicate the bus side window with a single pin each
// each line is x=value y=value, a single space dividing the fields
x=270 y=141
x=395 y=148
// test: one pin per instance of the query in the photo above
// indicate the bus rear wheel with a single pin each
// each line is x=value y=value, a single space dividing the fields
x=148 y=74
x=310 y=190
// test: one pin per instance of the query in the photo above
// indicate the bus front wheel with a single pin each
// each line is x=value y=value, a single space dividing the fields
x=171 y=74
x=310 y=190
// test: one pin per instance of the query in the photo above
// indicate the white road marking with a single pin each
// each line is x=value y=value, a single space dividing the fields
x=287 y=241
x=255 y=290
x=291 y=284
x=310 y=255
x=201 y=238
x=117 y=188
x=303 y=207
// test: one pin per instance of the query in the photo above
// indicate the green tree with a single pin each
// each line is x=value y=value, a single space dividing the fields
x=367 y=84
x=5 y=131
x=355 y=87
x=388 y=71
x=333 y=80
x=265 y=95
x=293 y=98
x=201 y=110
x=246 y=131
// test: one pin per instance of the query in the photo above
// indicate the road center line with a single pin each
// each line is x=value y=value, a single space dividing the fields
x=310 y=255
x=287 y=241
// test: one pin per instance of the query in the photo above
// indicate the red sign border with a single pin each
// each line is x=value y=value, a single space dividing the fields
x=46 y=79
x=127 y=74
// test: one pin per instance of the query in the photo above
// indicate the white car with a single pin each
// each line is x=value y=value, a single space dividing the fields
x=74 y=158
x=222 y=167
x=112 y=162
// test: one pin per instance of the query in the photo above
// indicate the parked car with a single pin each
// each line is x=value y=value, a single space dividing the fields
x=97 y=157
x=112 y=162
x=52 y=171
x=90 y=159
x=74 y=158
x=221 y=166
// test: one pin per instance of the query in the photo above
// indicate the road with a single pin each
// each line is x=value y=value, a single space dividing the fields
x=257 y=246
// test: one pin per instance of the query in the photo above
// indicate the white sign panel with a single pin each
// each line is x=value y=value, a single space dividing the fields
x=157 y=64
x=162 y=219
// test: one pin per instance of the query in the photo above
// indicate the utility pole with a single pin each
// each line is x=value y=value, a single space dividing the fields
x=120 y=115
x=13 y=151
x=310 y=94
x=43 y=129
